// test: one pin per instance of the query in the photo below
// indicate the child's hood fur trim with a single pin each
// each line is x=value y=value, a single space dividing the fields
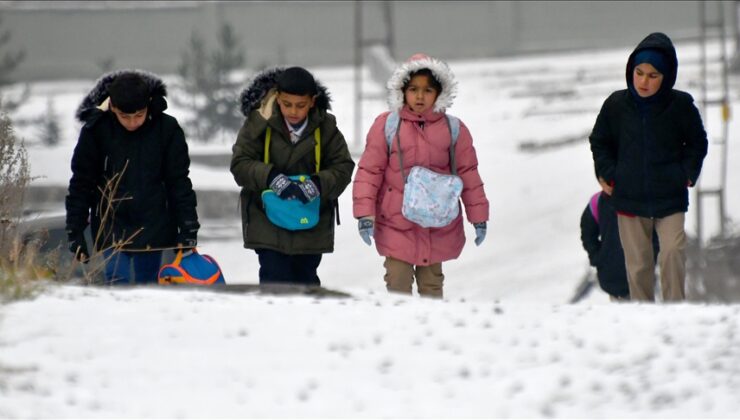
x=261 y=93
x=439 y=69
x=97 y=98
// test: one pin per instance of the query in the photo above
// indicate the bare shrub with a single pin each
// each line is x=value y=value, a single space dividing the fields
x=92 y=273
x=22 y=264
x=14 y=179
x=17 y=259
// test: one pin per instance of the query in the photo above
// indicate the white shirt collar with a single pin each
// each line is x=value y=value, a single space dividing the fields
x=295 y=133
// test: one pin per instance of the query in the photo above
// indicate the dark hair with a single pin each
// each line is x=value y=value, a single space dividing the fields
x=424 y=72
x=129 y=92
x=297 y=81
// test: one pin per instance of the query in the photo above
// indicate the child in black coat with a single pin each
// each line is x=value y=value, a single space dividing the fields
x=130 y=179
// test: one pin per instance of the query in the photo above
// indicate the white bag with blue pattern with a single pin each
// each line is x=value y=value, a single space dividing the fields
x=430 y=199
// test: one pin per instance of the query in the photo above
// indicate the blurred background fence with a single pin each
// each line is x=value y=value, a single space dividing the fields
x=81 y=39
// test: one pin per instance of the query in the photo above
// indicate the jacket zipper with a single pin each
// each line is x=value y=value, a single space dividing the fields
x=646 y=165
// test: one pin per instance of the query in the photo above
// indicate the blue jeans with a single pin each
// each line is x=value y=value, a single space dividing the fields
x=132 y=267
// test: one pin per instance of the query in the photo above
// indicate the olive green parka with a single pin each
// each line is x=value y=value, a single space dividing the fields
x=251 y=172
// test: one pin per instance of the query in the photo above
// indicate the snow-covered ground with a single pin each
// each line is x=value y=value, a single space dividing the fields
x=81 y=352
x=503 y=343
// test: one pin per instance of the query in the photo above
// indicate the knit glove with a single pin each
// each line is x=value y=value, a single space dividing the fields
x=480 y=232
x=78 y=246
x=309 y=190
x=188 y=236
x=287 y=189
x=282 y=185
x=366 y=226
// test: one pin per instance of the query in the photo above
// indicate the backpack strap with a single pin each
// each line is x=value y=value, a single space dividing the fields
x=268 y=136
x=391 y=128
x=593 y=205
x=317 y=146
x=453 y=124
x=393 y=122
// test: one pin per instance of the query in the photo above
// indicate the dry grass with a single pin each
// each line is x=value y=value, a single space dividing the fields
x=21 y=263
x=18 y=260
x=24 y=269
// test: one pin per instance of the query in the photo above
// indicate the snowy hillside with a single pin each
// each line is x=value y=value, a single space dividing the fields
x=503 y=343
x=166 y=354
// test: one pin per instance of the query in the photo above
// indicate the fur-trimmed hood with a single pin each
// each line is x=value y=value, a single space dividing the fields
x=439 y=69
x=261 y=93
x=97 y=98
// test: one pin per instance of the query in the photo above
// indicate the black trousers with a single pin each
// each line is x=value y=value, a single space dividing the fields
x=276 y=267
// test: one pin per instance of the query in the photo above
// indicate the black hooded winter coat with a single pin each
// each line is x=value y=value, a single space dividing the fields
x=259 y=105
x=153 y=204
x=650 y=153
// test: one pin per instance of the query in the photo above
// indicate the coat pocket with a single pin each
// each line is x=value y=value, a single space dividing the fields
x=389 y=211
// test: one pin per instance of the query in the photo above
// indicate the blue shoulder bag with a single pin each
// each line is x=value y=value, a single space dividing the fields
x=292 y=214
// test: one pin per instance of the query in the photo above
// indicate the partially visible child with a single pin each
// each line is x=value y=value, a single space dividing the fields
x=600 y=239
x=292 y=105
x=420 y=90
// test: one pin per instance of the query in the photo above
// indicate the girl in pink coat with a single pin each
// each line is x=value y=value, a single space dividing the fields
x=420 y=90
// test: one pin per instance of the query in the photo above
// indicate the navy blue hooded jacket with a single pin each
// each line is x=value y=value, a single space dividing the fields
x=650 y=152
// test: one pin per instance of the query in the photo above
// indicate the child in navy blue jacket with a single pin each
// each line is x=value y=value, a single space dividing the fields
x=648 y=145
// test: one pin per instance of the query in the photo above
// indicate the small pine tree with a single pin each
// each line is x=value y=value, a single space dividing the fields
x=192 y=72
x=227 y=59
x=8 y=63
x=208 y=79
x=50 y=131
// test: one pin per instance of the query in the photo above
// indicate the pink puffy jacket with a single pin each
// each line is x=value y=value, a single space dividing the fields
x=377 y=189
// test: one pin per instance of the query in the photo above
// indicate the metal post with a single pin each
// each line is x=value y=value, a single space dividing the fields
x=388 y=15
x=725 y=123
x=358 y=75
x=735 y=66
x=703 y=94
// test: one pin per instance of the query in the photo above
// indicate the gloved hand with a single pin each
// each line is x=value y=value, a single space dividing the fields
x=309 y=190
x=480 y=232
x=281 y=184
x=286 y=189
x=188 y=236
x=366 y=226
x=78 y=246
